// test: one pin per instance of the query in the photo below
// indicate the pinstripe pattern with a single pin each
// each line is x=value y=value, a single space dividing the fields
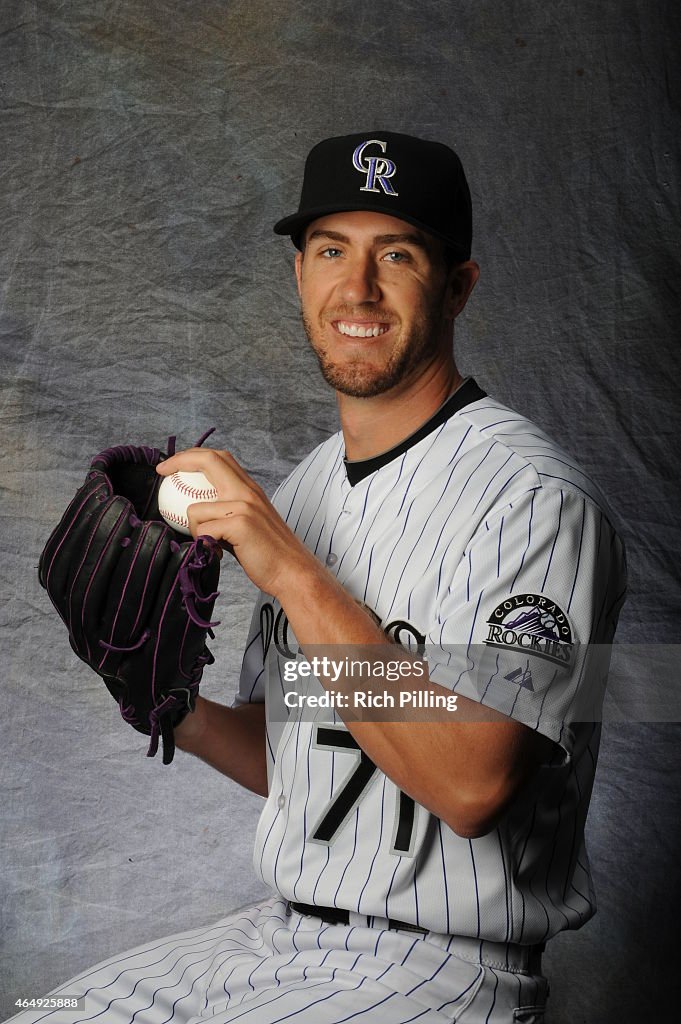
x=260 y=966
x=483 y=508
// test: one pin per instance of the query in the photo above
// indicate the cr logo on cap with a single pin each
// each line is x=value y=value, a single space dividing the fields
x=377 y=168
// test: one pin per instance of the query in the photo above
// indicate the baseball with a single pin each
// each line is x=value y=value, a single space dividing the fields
x=177 y=492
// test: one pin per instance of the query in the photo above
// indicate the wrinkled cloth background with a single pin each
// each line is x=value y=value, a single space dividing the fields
x=146 y=150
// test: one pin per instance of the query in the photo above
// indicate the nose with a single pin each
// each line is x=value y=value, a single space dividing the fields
x=360 y=281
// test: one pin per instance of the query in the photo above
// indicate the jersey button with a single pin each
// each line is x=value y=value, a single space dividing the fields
x=281 y=801
x=331 y=558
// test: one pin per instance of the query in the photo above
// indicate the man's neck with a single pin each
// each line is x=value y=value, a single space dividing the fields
x=374 y=425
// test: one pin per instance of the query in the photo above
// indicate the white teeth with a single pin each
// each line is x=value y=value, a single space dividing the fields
x=359 y=331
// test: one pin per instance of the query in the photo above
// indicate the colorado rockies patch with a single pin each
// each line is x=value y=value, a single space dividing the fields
x=534 y=625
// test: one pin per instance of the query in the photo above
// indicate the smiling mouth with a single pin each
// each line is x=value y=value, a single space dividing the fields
x=352 y=329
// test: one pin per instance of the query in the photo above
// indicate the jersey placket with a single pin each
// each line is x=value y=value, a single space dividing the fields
x=343 y=525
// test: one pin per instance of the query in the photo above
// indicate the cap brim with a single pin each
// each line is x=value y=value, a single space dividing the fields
x=295 y=224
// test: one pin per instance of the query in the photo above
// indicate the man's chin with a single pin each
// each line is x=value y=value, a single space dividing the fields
x=357 y=381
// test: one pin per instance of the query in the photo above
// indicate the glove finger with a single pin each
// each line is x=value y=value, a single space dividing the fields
x=54 y=566
x=133 y=475
x=133 y=591
x=99 y=551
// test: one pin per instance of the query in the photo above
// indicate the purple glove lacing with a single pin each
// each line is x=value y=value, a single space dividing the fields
x=143 y=454
x=204 y=548
x=124 y=650
x=185 y=702
x=169 y=704
x=172 y=439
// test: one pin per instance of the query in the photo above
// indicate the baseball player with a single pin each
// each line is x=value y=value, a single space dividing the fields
x=418 y=862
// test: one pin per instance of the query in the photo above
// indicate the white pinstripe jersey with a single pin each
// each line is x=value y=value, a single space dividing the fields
x=485 y=543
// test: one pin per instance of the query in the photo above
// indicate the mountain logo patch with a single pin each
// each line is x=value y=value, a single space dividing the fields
x=531 y=624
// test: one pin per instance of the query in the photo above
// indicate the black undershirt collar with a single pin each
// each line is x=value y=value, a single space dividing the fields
x=464 y=395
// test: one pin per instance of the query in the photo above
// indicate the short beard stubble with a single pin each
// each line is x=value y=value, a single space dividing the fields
x=359 y=380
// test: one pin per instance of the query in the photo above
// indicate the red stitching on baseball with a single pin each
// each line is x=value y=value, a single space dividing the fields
x=193 y=492
x=180 y=520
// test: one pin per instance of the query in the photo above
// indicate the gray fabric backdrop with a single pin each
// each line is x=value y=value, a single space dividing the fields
x=146 y=150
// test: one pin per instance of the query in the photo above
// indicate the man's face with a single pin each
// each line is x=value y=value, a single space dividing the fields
x=376 y=301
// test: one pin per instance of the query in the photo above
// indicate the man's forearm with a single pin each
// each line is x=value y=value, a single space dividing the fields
x=464 y=769
x=232 y=740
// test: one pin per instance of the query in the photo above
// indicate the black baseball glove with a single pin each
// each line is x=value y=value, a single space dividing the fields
x=135 y=595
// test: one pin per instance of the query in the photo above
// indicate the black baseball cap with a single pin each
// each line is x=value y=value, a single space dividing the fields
x=418 y=181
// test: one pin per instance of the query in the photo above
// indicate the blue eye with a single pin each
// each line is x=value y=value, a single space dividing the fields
x=330 y=252
x=395 y=257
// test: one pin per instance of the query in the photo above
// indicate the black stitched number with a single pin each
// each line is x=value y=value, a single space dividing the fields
x=405 y=825
x=343 y=803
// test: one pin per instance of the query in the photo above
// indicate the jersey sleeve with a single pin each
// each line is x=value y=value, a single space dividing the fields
x=525 y=624
x=252 y=679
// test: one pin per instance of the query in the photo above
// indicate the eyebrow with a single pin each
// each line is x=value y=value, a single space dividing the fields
x=406 y=238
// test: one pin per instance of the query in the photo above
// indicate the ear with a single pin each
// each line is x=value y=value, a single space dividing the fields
x=462 y=281
x=299 y=270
